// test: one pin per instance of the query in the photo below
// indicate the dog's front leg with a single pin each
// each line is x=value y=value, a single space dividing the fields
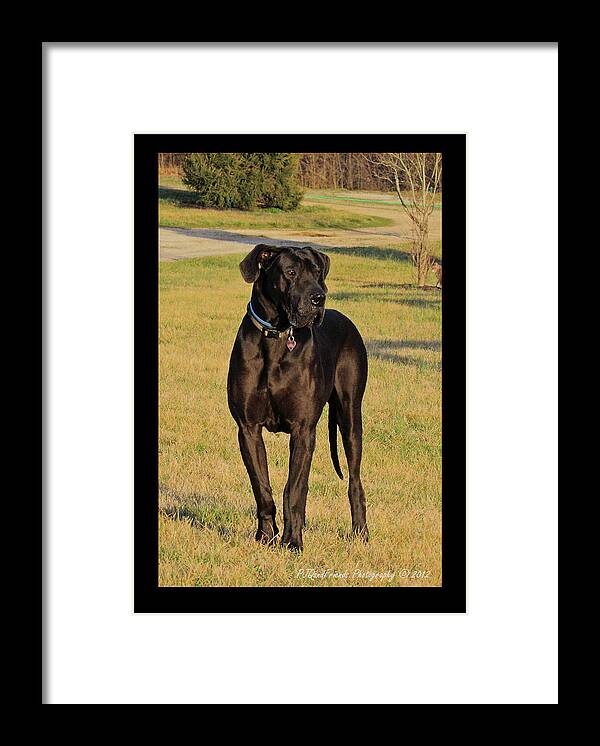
x=302 y=446
x=254 y=456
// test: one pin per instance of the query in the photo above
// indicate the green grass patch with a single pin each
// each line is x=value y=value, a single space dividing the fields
x=376 y=202
x=176 y=209
x=176 y=215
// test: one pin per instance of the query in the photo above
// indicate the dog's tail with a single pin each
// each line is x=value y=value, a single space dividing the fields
x=332 y=422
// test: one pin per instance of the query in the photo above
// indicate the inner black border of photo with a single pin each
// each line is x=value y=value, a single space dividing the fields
x=451 y=595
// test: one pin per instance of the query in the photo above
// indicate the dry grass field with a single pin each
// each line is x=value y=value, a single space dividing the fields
x=207 y=510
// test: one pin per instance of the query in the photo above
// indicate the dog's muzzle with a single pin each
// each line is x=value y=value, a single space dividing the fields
x=312 y=317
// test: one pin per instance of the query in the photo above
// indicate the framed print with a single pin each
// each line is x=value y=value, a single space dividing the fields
x=300 y=373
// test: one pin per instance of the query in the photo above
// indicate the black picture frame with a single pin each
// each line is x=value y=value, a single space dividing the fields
x=451 y=595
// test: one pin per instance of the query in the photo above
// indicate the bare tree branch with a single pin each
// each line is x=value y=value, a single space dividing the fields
x=417 y=179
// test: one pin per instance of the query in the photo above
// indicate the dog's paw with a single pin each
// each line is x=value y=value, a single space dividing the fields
x=361 y=532
x=294 y=544
x=267 y=533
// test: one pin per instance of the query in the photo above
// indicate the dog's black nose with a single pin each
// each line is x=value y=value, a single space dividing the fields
x=317 y=299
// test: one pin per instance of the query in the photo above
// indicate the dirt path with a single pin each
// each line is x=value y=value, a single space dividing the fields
x=185 y=243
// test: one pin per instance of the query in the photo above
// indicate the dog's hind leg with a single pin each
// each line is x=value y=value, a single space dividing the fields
x=351 y=429
x=350 y=383
x=254 y=455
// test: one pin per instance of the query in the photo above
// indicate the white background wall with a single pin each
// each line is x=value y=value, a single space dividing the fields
x=503 y=650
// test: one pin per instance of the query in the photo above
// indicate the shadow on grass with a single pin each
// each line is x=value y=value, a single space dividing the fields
x=178 y=196
x=370 y=252
x=201 y=511
x=406 y=344
x=430 y=303
x=390 y=350
x=399 y=286
x=419 y=302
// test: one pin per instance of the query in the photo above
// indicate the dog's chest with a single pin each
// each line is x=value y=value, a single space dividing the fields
x=277 y=387
x=285 y=390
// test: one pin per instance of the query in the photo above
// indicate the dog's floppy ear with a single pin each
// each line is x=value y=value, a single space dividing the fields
x=326 y=262
x=323 y=261
x=260 y=255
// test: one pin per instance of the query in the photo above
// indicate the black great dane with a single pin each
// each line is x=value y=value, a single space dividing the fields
x=291 y=357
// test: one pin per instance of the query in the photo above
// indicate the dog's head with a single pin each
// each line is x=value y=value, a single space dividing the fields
x=293 y=279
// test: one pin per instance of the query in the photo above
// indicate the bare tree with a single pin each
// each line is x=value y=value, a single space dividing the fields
x=416 y=178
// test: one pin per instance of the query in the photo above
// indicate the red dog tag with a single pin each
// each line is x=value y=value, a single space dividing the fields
x=291 y=342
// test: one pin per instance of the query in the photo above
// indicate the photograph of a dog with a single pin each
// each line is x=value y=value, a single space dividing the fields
x=300 y=369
